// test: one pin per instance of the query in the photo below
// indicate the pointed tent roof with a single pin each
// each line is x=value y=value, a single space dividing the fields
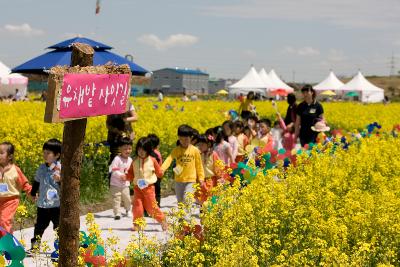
x=278 y=83
x=250 y=81
x=4 y=70
x=266 y=79
x=359 y=83
x=369 y=92
x=330 y=83
x=10 y=82
x=62 y=56
x=6 y=75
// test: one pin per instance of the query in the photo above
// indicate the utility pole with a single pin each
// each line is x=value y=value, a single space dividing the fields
x=392 y=64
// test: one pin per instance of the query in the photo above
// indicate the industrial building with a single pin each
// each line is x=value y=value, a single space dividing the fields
x=179 y=81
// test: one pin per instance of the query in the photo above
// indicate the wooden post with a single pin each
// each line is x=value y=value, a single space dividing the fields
x=71 y=159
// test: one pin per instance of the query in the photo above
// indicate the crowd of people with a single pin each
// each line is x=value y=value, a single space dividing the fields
x=198 y=158
x=18 y=96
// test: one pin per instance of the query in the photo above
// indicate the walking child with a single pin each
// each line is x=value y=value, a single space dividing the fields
x=252 y=123
x=276 y=133
x=195 y=135
x=119 y=184
x=264 y=140
x=210 y=165
x=47 y=184
x=243 y=140
x=189 y=169
x=12 y=182
x=288 y=136
x=143 y=173
x=155 y=144
x=223 y=148
x=247 y=132
x=228 y=128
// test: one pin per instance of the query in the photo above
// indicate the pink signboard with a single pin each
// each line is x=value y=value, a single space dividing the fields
x=88 y=95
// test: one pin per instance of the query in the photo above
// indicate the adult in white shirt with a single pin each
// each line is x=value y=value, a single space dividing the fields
x=18 y=95
x=160 y=96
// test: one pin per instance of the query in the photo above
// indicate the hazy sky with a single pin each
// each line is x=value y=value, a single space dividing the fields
x=223 y=37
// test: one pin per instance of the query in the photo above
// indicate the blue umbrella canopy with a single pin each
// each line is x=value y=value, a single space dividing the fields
x=62 y=56
x=68 y=44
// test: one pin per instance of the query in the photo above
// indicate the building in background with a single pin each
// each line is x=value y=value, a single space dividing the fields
x=214 y=85
x=140 y=85
x=178 y=81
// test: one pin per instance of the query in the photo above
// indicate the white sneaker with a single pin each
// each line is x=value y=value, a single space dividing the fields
x=128 y=214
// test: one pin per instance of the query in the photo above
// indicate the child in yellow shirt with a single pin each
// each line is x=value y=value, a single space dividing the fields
x=189 y=168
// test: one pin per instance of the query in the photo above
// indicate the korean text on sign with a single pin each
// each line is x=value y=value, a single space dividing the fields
x=88 y=95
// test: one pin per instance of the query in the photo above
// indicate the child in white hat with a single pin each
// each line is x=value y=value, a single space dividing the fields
x=320 y=127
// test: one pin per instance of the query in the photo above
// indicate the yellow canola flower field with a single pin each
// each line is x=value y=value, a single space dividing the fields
x=22 y=122
x=333 y=209
x=338 y=209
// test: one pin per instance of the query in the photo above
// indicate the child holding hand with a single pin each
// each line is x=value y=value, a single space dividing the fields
x=211 y=170
x=189 y=168
x=119 y=184
x=229 y=134
x=222 y=147
x=47 y=183
x=243 y=140
x=12 y=182
x=155 y=143
x=264 y=140
x=143 y=173
x=288 y=135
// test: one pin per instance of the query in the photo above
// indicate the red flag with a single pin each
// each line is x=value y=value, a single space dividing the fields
x=97 y=7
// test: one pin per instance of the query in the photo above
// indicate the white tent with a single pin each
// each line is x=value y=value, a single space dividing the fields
x=11 y=81
x=330 y=83
x=368 y=92
x=266 y=79
x=250 y=82
x=278 y=83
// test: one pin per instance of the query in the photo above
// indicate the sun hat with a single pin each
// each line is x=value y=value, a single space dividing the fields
x=320 y=126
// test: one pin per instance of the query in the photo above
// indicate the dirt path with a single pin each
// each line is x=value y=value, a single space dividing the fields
x=105 y=219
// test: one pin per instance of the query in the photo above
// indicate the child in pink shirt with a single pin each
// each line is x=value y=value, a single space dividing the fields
x=119 y=185
x=288 y=136
x=228 y=129
x=223 y=148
